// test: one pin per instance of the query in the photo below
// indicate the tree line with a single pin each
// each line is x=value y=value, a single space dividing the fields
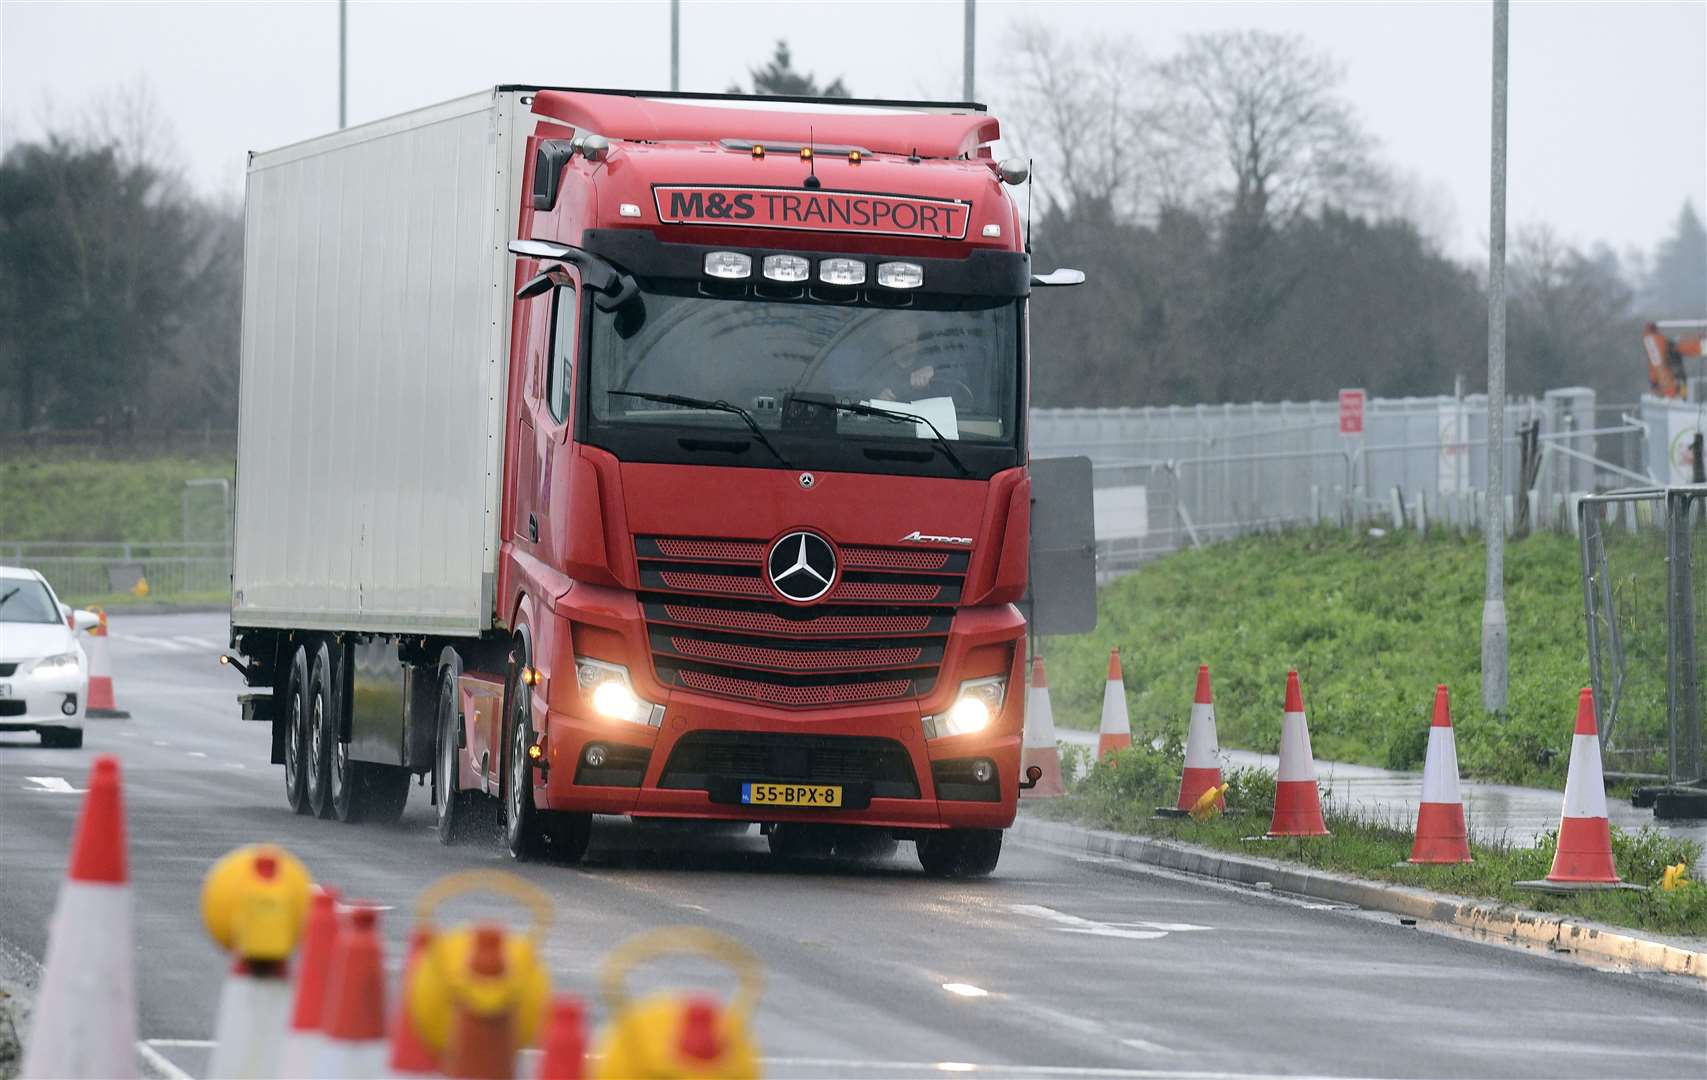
x=1242 y=237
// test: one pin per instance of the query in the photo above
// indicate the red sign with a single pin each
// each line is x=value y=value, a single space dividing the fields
x=1351 y=412
x=814 y=211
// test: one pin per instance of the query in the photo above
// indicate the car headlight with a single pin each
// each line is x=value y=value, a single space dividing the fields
x=974 y=707
x=58 y=664
x=608 y=691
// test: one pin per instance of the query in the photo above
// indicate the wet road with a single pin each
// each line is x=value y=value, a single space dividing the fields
x=1056 y=966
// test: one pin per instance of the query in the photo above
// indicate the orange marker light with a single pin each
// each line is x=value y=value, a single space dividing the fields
x=758 y=151
x=805 y=153
x=853 y=157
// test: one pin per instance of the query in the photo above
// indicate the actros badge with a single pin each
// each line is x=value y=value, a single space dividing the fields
x=917 y=537
x=802 y=566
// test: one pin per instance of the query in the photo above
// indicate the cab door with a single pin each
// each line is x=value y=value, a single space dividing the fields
x=542 y=430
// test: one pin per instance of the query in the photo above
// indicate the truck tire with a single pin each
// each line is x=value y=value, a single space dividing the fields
x=524 y=831
x=790 y=842
x=317 y=780
x=296 y=732
x=865 y=844
x=455 y=807
x=381 y=791
x=958 y=853
x=566 y=836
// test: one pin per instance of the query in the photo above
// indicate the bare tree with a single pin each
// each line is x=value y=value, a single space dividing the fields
x=1257 y=114
x=1079 y=110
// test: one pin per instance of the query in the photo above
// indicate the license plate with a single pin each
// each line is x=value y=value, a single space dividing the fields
x=791 y=795
x=5 y=689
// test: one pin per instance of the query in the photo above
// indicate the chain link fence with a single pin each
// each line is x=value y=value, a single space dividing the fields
x=1644 y=578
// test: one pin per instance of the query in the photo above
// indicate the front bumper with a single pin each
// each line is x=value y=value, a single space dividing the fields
x=693 y=765
x=33 y=701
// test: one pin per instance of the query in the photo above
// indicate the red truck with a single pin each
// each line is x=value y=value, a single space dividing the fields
x=632 y=454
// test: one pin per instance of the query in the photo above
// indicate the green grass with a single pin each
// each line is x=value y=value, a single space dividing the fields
x=1372 y=625
x=1122 y=794
x=48 y=497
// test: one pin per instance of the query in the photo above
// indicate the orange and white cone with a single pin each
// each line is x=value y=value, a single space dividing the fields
x=354 y=1040
x=85 y=1010
x=1039 y=747
x=410 y=1056
x=1202 y=749
x=303 y=1038
x=1441 y=836
x=101 y=704
x=249 y=1028
x=1584 y=856
x=1116 y=733
x=1297 y=803
x=565 y=1041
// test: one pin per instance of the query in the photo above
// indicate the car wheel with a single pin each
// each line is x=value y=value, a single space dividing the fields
x=959 y=853
x=296 y=733
x=317 y=779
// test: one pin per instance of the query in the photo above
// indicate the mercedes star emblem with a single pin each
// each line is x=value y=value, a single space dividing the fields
x=807 y=480
x=802 y=566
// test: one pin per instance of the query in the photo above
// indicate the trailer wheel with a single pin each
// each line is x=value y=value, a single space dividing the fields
x=958 y=853
x=524 y=834
x=296 y=732
x=455 y=808
x=317 y=781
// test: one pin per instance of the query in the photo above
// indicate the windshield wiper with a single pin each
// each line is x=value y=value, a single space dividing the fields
x=717 y=406
x=896 y=416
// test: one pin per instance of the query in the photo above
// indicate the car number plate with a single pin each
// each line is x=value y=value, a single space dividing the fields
x=826 y=795
x=5 y=689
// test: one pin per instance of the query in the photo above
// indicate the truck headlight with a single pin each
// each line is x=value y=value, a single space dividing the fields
x=974 y=707
x=58 y=664
x=612 y=696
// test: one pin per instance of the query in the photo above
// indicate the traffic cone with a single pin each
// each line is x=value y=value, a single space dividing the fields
x=1584 y=856
x=481 y=1045
x=85 y=1010
x=1297 y=803
x=254 y=902
x=303 y=1038
x=410 y=1056
x=565 y=1041
x=354 y=1040
x=1441 y=836
x=1039 y=747
x=101 y=705
x=1116 y=731
x=1202 y=749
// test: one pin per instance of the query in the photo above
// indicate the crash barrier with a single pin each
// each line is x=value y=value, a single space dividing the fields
x=306 y=993
x=101 y=703
x=164 y=572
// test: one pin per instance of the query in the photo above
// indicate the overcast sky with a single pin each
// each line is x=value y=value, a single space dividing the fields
x=1608 y=100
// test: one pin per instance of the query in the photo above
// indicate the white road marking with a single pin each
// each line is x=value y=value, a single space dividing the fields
x=198 y=753
x=1072 y=924
x=128 y=734
x=965 y=990
x=166 y=644
x=908 y=1068
x=161 y=742
x=159 y=1062
x=199 y=643
x=235 y=765
x=59 y=785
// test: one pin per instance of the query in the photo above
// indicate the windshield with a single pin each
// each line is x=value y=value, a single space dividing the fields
x=24 y=600
x=953 y=361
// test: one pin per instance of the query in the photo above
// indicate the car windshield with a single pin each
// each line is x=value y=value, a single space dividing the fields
x=24 y=600
x=952 y=360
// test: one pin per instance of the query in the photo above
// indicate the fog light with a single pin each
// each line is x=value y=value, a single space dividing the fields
x=69 y=708
x=595 y=755
x=900 y=275
x=728 y=264
x=841 y=272
x=786 y=268
x=982 y=770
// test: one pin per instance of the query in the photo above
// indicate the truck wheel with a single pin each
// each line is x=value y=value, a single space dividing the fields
x=382 y=791
x=566 y=836
x=317 y=781
x=961 y=852
x=344 y=777
x=296 y=732
x=524 y=834
x=455 y=808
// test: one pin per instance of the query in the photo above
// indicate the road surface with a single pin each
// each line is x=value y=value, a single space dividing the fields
x=1057 y=966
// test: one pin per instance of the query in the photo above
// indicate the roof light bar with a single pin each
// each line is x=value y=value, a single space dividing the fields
x=729 y=265
x=786 y=268
x=841 y=272
x=900 y=275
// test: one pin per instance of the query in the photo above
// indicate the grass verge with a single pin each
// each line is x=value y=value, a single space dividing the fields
x=1123 y=793
x=135 y=501
x=1371 y=624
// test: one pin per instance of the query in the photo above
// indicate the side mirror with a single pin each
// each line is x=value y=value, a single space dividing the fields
x=548 y=161
x=539 y=284
x=83 y=619
x=1057 y=278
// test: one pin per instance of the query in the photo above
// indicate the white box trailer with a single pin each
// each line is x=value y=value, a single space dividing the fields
x=376 y=310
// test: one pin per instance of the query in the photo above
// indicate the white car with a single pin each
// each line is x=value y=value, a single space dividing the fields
x=44 y=673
